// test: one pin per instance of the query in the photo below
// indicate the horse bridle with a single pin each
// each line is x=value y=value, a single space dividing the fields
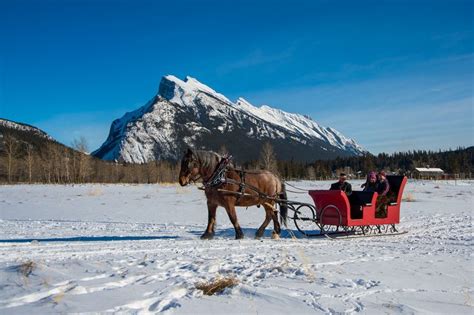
x=198 y=176
x=195 y=179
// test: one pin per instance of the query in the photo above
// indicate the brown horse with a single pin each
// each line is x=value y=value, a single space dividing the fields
x=202 y=164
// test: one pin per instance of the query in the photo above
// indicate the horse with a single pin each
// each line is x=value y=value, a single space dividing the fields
x=239 y=189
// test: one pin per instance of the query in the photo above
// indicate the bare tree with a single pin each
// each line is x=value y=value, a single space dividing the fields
x=267 y=159
x=11 y=150
x=311 y=173
x=48 y=162
x=57 y=165
x=83 y=167
x=81 y=145
x=29 y=157
x=66 y=165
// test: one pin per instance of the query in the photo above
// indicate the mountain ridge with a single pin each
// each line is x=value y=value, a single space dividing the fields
x=188 y=113
x=10 y=124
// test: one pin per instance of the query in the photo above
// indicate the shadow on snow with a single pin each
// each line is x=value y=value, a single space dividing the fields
x=88 y=239
x=249 y=233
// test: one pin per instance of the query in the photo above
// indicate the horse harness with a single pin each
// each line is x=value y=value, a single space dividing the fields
x=218 y=177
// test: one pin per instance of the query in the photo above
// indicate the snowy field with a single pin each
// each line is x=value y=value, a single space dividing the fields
x=136 y=248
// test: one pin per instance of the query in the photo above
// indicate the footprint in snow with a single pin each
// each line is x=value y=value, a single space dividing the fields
x=366 y=284
x=168 y=302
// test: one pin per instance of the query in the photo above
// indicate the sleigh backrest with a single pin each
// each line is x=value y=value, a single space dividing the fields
x=397 y=185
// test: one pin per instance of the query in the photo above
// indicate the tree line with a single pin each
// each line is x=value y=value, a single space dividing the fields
x=31 y=159
x=458 y=162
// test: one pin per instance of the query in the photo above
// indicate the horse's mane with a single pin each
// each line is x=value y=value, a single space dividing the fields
x=207 y=159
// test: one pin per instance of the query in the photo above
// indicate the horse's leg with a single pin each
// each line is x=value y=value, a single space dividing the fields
x=276 y=225
x=211 y=221
x=230 y=208
x=268 y=218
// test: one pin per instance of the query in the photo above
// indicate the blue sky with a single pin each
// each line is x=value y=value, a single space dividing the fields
x=394 y=75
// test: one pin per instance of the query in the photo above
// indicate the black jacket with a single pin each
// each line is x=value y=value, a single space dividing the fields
x=368 y=186
x=383 y=187
x=345 y=187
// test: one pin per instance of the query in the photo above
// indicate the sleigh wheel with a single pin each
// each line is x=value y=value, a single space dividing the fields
x=305 y=219
x=330 y=219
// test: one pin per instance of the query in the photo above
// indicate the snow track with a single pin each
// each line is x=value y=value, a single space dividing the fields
x=137 y=249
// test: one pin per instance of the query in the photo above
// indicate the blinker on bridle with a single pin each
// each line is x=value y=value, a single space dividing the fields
x=194 y=163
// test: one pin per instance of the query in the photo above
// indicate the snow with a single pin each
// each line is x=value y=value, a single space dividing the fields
x=24 y=127
x=300 y=125
x=429 y=169
x=136 y=248
x=149 y=132
x=190 y=88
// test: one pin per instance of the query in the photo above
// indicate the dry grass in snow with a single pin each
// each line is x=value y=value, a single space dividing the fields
x=26 y=268
x=217 y=285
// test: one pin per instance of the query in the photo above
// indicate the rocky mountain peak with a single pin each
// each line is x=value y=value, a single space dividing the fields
x=188 y=113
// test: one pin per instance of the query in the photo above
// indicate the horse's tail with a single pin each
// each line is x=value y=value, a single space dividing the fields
x=283 y=205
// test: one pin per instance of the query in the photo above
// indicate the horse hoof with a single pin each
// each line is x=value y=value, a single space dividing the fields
x=207 y=236
x=275 y=236
x=239 y=237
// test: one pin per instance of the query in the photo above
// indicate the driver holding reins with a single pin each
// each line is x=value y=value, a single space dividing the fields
x=342 y=185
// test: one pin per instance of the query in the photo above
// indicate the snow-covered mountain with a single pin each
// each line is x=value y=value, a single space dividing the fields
x=6 y=124
x=190 y=114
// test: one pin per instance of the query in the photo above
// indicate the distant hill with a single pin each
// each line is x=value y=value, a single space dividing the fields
x=28 y=154
x=18 y=138
x=21 y=129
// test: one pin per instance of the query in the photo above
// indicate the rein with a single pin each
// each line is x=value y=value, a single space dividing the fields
x=301 y=190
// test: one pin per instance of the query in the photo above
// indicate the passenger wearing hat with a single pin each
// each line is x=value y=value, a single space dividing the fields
x=342 y=185
x=371 y=182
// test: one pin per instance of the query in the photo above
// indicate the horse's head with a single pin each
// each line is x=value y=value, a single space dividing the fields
x=189 y=168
